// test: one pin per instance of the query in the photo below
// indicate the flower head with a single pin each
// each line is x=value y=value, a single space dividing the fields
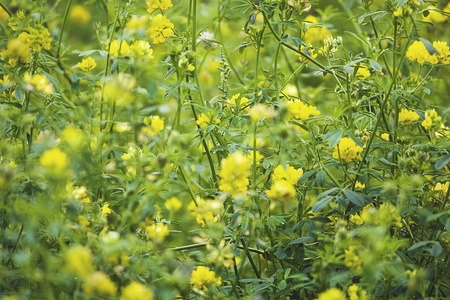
x=202 y=278
x=87 y=64
x=99 y=284
x=234 y=173
x=406 y=117
x=136 y=291
x=39 y=83
x=79 y=15
x=54 y=161
x=158 y=4
x=348 y=150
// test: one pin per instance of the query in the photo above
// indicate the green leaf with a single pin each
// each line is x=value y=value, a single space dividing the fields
x=321 y=177
x=442 y=162
x=418 y=245
x=282 y=285
x=355 y=198
x=375 y=65
x=380 y=13
x=318 y=206
x=170 y=72
x=306 y=176
x=301 y=240
x=334 y=137
x=19 y=93
x=436 y=249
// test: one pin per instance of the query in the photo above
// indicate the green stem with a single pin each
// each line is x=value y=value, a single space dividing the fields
x=66 y=13
x=191 y=193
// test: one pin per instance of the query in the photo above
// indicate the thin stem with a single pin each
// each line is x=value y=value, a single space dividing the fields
x=66 y=13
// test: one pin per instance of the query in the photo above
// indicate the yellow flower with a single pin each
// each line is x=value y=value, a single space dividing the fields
x=141 y=49
x=406 y=117
x=78 y=261
x=106 y=211
x=290 y=174
x=444 y=51
x=79 y=15
x=281 y=190
x=39 y=83
x=119 y=47
x=419 y=53
x=158 y=4
x=16 y=51
x=99 y=284
x=356 y=293
x=87 y=64
x=385 y=136
x=160 y=28
x=356 y=219
x=157 y=231
x=259 y=112
x=352 y=260
x=234 y=173
x=54 y=161
x=154 y=125
x=348 y=150
x=436 y=17
x=203 y=278
x=204 y=120
x=173 y=204
x=300 y=110
x=18 y=20
x=359 y=185
x=136 y=291
x=72 y=136
x=316 y=33
x=38 y=38
x=3 y=15
x=362 y=73
x=332 y=294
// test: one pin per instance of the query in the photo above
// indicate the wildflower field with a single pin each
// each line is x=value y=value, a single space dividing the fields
x=227 y=149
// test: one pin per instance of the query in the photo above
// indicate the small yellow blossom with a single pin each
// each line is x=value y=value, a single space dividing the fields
x=87 y=64
x=259 y=112
x=39 y=83
x=173 y=204
x=301 y=111
x=290 y=174
x=54 y=161
x=362 y=73
x=234 y=173
x=136 y=291
x=202 y=278
x=431 y=120
x=106 y=211
x=119 y=47
x=240 y=104
x=141 y=49
x=158 y=4
x=157 y=231
x=316 y=33
x=332 y=294
x=281 y=190
x=73 y=136
x=79 y=15
x=407 y=117
x=352 y=260
x=356 y=293
x=16 y=51
x=38 y=38
x=359 y=185
x=154 y=125
x=160 y=28
x=348 y=150
x=99 y=284
x=385 y=136
x=356 y=219
x=18 y=20
x=204 y=120
x=435 y=17
x=419 y=53
x=78 y=261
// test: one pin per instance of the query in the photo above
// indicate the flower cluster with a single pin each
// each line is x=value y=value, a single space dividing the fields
x=204 y=120
x=136 y=291
x=353 y=260
x=283 y=182
x=347 y=150
x=158 y=4
x=157 y=231
x=301 y=111
x=202 y=278
x=237 y=103
x=139 y=49
x=154 y=125
x=315 y=33
x=54 y=161
x=432 y=120
x=234 y=173
x=37 y=39
x=87 y=64
x=419 y=53
x=160 y=28
x=406 y=117
x=385 y=215
x=16 y=51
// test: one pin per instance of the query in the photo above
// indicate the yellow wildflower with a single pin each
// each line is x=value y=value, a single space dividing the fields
x=356 y=219
x=54 y=161
x=204 y=120
x=106 y=211
x=348 y=150
x=154 y=125
x=119 y=47
x=87 y=64
x=136 y=291
x=362 y=73
x=173 y=204
x=385 y=136
x=406 y=117
x=79 y=15
x=38 y=38
x=40 y=83
x=157 y=231
x=281 y=190
x=234 y=173
x=158 y=4
x=356 y=293
x=202 y=278
x=18 y=20
x=73 y=136
x=332 y=294
x=99 y=284
x=436 y=17
x=352 y=260
x=78 y=261
x=419 y=53
x=316 y=33
x=290 y=174
x=259 y=112
x=444 y=51
x=160 y=28
x=359 y=185
x=141 y=49
x=300 y=110
x=431 y=119
x=16 y=51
